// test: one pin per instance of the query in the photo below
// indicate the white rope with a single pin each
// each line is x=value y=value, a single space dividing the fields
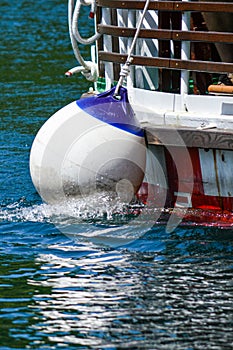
x=125 y=68
x=75 y=18
x=88 y=69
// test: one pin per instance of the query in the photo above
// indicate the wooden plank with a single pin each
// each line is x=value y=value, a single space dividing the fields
x=199 y=66
x=137 y=60
x=205 y=6
x=167 y=34
x=212 y=138
x=213 y=37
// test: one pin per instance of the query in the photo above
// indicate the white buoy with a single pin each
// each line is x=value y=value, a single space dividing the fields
x=90 y=145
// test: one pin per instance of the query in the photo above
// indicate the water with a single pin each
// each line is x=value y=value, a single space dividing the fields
x=162 y=291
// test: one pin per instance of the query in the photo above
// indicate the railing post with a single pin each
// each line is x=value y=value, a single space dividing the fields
x=107 y=46
x=122 y=19
x=185 y=54
x=131 y=24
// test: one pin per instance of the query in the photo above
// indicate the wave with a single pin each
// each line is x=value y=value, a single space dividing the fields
x=99 y=217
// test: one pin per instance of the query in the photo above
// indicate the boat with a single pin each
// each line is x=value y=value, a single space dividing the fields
x=175 y=60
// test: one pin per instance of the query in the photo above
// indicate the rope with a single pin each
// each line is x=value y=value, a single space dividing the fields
x=125 y=68
x=88 y=69
x=75 y=30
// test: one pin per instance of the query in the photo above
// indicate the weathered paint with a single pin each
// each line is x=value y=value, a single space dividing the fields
x=206 y=189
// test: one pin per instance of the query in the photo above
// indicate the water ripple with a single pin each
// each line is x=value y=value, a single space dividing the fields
x=160 y=291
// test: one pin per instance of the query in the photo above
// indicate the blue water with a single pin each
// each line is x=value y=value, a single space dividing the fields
x=161 y=291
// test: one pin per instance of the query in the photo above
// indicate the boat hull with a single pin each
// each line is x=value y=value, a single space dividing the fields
x=199 y=187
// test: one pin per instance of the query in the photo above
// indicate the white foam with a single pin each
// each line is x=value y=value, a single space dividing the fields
x=100 y=218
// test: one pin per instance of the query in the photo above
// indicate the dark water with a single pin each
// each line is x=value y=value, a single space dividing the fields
x=165 y=291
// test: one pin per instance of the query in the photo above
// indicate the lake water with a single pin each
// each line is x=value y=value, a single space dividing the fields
x=162 y=291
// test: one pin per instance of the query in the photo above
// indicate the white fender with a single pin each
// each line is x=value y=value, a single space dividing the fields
x=78 y=151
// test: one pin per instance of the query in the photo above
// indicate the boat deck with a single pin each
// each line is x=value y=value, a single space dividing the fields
x=183 y=51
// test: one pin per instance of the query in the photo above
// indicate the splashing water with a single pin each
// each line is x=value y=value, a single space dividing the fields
x=99 y=217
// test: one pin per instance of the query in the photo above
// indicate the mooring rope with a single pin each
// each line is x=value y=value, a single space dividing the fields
x=75 y=18
x=125 y=68
x=88 y=68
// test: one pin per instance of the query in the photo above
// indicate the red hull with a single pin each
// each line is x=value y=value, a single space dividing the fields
x=197 y=191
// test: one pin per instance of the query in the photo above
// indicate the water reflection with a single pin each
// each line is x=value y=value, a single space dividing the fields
x=123 y=299
x=162 y=291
